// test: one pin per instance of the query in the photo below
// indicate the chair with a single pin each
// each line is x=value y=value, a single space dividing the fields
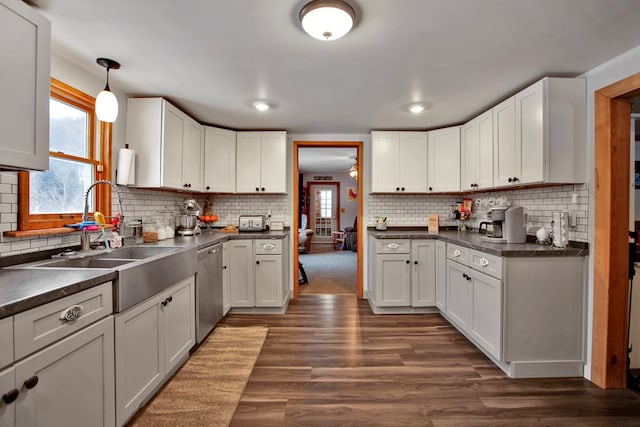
x=304 y=236
x=351 y=237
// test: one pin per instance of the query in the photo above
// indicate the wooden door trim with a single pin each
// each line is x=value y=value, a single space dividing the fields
x=333 y=183
x=358 y=145
x=610 y=249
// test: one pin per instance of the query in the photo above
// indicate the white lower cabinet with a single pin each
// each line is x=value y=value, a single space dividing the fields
x=152 y=340
x=474 y=304
x=226 y=290
x=258 y=272
x=423 y=273
x=9 y=394
x=441 y=275
x=6 y=338
x=403 y=273
x=70 y=382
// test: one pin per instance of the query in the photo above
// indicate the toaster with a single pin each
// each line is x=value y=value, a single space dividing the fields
x=252 y=223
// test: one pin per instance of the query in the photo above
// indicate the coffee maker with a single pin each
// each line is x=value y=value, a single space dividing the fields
x=508 y=225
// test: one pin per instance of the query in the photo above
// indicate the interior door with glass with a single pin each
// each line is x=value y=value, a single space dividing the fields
x=323 y=211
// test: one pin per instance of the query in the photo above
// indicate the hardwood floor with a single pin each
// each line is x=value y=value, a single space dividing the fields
x=330 y=362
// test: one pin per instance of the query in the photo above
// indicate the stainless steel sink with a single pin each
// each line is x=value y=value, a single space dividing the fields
x=143 y=271
x=89 y=262
x=137 y=252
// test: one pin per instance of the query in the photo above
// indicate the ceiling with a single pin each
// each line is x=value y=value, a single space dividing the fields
x=460 y=57
x=326 y=159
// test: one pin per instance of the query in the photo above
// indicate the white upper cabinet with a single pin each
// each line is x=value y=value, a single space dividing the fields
x=476 y=149
x=261 y=162
x=399 y=162
x=219 y=160
x=168 y=145
x=539 y=134
x=444 y=160
x=24 y=87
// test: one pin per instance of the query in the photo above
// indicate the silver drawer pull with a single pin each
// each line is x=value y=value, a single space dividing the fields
x=71 y=314
x=484 y=262
x=393 y=246
x=268 y=246
x=457 y=252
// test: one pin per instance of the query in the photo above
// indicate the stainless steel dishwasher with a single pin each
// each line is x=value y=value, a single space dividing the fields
x=209 y=300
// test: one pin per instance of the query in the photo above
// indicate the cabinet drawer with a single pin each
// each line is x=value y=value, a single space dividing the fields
x=6 y=338
x=268 y=246
x=388 y=246
x=458 y=253
x=41 y=326
x=488 y=264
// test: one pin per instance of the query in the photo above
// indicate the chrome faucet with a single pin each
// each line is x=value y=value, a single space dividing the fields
x=84 y=236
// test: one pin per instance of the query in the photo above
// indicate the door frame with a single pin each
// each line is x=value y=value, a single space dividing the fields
x=611 y=222
x=358 y=145
x=332 y=183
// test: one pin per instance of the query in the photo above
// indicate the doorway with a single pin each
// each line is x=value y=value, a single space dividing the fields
x=611 y=232
x=327 y=221
x=324 y=210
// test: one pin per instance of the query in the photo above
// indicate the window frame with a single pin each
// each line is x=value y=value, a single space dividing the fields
x=100 y=158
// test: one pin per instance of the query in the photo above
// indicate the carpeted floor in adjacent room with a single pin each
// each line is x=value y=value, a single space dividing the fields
x=329 y=271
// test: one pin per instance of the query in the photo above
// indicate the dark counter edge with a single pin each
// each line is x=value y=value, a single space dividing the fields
x=470 y=240
x=33 y=301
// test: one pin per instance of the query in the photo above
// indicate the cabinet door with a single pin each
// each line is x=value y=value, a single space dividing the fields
x=423 y=273
x=241 y=273
x=172 y=133
x=485 y=151
x=7 y=410
x=384 y=162
x=487 y=313
x=178 y=323
x=269 y=280
x=248 y=158
x=75 y=381
x=24 y=87
x=504 y=142
x=469 y=156
x=273 y=162
x=139 y=361
x=529 y=153
x=459 y=295
x=444 y=159
x=393 y=280
x=441 y=275
x=412 y=166
x=6 y=338
x=219 y=160
x=192 y=155
x=226 y=290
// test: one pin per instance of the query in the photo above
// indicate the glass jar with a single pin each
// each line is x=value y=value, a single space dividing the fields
x=170 y=226
x=161 y=227
x=149 y=232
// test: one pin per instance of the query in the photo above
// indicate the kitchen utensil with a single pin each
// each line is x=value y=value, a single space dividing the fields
x=99 y=217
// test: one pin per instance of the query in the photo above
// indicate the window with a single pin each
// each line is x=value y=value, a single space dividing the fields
x=78 y=156
x=325 y=204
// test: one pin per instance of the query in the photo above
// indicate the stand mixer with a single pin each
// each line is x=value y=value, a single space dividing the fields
x=187 y=224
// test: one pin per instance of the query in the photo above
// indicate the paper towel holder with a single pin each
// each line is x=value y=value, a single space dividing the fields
x=125 y=172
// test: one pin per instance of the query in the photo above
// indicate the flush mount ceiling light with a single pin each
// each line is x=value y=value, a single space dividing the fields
x=327 y=19
x=416 y=108
x=106 y=102
x=261 y=105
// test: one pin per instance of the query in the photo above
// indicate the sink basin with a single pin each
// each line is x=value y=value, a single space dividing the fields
x=137 y=252
x=84 y=263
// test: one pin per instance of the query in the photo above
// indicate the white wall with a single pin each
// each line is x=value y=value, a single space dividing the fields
x=610 y=72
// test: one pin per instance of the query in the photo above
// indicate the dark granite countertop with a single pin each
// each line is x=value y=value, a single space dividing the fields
x=473 y=240
x=22 y=289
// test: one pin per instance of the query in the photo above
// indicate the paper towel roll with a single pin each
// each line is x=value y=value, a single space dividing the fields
x=126 y=166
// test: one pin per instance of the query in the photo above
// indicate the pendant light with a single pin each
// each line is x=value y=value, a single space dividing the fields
x=327 y=19
x=106 y=102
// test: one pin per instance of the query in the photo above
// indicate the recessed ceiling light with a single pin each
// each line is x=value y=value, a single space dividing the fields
x=261 y=105
x=416 y=108
x=327 y=19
